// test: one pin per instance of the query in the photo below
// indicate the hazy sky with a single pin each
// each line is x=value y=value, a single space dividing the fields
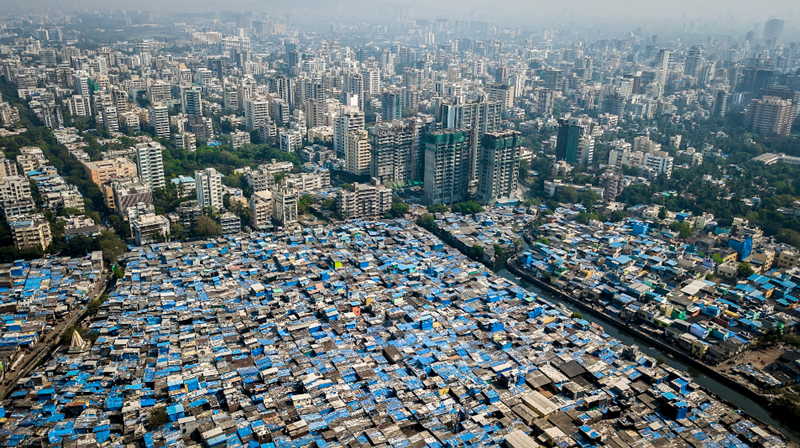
x=742 y=10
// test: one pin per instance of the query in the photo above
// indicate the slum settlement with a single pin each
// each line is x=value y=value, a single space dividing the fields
x=672 y=290
x=36 y=295
x=359 y=334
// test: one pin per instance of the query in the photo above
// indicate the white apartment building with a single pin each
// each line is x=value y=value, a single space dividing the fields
x=79 y=106
x=150 y=164
x=357 y=152
x=256 y=111
x=261 y=209
x=31 y=232
x=146 y=227
x=284 y=206
x=239 y=139
x=291 y=140
x=159 y=120
x=363 y=201
x=209 y=188
x=660 y=162
x=349 y=120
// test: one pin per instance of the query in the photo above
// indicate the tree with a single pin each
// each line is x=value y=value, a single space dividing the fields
x=94 y=215
x=66 y=336
x=660 y=360
x=437 y=208
x=583 y=218
x=524 y=168
x=617 y=216
x=588 y=198
x=68 y=211
x=398 y=209
x=476 y=252
x=717 y=258
x=498 y=250
x=205 y=226
x=567 y=195
x=329 y=204
x=304 y=204
x=111 y=245
x=662 y=213
x=631 y=170
x=577 y=315
x=120 y=227
x=426 y=221
x=789 y=236
x=467 y=208
x=744 y=270
x=93 y=306
x=684 y=231
x=178 y=231
x=118 y=273
x=157 y=417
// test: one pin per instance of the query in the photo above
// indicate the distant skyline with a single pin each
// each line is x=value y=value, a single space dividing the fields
x=614 y=18
x=675 y=9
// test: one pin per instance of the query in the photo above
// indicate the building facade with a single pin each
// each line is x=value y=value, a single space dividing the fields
x=447 y=166
x=103 y=171
x=363 y=201
x=357 y=152
x=31 y=232
x=209 y=188
x=499 y=166
x=770 y=115
x=261 y=210
x=284 y=206
x=149 y=161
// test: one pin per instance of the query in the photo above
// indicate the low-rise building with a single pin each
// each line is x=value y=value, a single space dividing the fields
x=230 y=223
x=788 y=259
x=188 y=212
x=187 y=141
x=14 y=188
x=239 y=139
x=363 y=201
x=30 y=159
x=129 y=192
x=80 y=225
x=103 y=171
x=186 y=185
x=149 y=227
x=31 y=232
x=318 y=180
x=261 y=209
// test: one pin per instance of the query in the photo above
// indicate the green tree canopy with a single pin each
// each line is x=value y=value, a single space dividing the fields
x=205 y=227
x=617 y=216
x=437 y=208
x=304 y=204
x=111 y=245
x=476 y=252
x=468 y=207
x=426 y=221
x=744 y=270
x=398 y=209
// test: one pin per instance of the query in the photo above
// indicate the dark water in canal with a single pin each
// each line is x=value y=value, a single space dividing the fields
x=710 y=384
